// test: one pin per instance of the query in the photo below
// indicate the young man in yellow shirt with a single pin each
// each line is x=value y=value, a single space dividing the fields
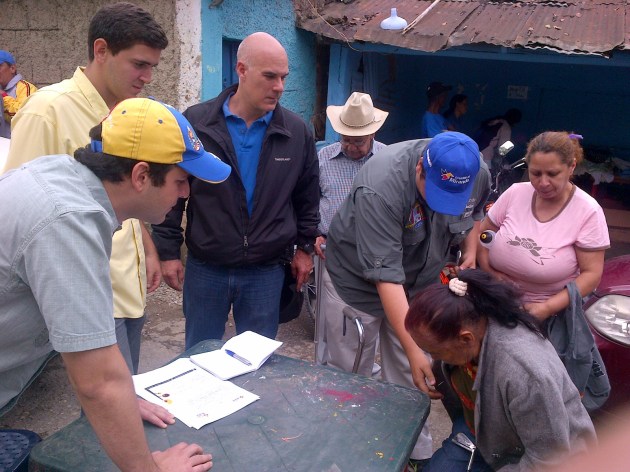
x=125 y=44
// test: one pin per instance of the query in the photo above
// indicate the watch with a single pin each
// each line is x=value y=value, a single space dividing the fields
x=308 y=248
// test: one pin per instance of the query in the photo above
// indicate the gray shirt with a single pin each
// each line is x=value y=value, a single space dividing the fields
x=385 y=231
x=528 y=413
x=55 y=289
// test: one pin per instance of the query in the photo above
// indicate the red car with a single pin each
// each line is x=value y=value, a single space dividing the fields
x=608 y=313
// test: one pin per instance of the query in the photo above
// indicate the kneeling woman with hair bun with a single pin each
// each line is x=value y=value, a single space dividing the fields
x=520 y=407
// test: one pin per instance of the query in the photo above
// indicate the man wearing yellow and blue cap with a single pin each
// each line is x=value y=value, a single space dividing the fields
x=14 y=90
x=55 y=290
x=409 y=203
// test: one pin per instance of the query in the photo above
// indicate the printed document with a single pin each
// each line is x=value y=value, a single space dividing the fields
x=190 y=393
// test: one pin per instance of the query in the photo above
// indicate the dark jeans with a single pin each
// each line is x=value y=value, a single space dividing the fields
x=452 y=458
x=253 y=293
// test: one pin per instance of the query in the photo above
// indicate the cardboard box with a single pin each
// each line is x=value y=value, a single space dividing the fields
x=618 y=224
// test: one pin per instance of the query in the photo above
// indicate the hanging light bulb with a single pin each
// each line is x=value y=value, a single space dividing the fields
x=394 y=22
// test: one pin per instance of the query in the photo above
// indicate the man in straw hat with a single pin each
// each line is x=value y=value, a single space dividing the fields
x=356 y=122
x=60 y=214
x=389 y=239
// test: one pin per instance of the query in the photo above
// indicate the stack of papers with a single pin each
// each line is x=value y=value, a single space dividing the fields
x=188 y=389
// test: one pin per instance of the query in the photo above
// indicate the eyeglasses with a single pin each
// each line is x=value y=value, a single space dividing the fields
x=353 y=142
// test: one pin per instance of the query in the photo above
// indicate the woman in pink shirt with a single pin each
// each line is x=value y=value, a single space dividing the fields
x=548 y=231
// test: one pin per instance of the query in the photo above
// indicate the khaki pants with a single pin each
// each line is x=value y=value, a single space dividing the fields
x=341 y=350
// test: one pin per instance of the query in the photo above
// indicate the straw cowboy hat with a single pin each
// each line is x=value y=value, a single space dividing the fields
x=357 y=117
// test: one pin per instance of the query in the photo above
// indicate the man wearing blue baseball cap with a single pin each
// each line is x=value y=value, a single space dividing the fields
x=59 y=216
x=409 y=203
x=14 y=90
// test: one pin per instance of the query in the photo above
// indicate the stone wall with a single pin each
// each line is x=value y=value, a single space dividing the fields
x=49 y=40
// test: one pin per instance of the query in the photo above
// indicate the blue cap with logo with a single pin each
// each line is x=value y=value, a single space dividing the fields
x=451 y=162
x=6 y=56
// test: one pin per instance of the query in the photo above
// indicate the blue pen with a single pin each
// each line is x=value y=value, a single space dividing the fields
x=237 y=357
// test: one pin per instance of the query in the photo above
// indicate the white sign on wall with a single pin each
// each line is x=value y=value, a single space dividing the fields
x=517 y=92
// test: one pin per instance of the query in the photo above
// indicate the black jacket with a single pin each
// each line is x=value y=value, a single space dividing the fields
x=219 y=229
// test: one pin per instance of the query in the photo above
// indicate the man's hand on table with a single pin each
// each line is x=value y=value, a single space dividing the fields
x=155 y=414
x=183 y=457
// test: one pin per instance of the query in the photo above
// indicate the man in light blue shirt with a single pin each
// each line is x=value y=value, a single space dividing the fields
x=59 y=216
x=433 y=122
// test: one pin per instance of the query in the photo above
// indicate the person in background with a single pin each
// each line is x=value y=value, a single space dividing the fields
x=432 y=121
x=492 y=133
x=457 y=108
x=59 y=214
x=519 y=405
x=124 y=45
x=357 y=121
x=388 y=240
x=239 y=236
x=14 y=90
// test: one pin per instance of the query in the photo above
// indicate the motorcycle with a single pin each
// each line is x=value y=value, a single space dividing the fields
x=507 y=174
x=607 y=311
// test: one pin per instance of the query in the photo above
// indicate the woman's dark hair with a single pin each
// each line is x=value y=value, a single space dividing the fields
x=109 y=168
x=455 y=99
x=445 y=314
x=123 y=25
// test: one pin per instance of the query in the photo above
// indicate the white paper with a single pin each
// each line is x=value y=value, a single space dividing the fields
x=249 y=345
x=253 y=347
x=221 y=365
x=193 y=395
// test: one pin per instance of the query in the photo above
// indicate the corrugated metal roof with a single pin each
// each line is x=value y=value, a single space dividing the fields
x=569 y=26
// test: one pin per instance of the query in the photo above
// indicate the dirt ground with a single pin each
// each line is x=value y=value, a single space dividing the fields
x=49 y=404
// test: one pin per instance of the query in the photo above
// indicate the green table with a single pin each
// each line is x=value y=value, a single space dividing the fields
x=308 y=418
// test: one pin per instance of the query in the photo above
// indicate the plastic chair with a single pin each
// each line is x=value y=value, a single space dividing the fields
x=15 y=446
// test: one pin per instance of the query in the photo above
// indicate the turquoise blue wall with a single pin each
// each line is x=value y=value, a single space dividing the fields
x=236 y=19
x=589 y=95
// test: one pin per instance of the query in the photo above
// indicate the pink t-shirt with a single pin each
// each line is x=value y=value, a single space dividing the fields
x=540 y=257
